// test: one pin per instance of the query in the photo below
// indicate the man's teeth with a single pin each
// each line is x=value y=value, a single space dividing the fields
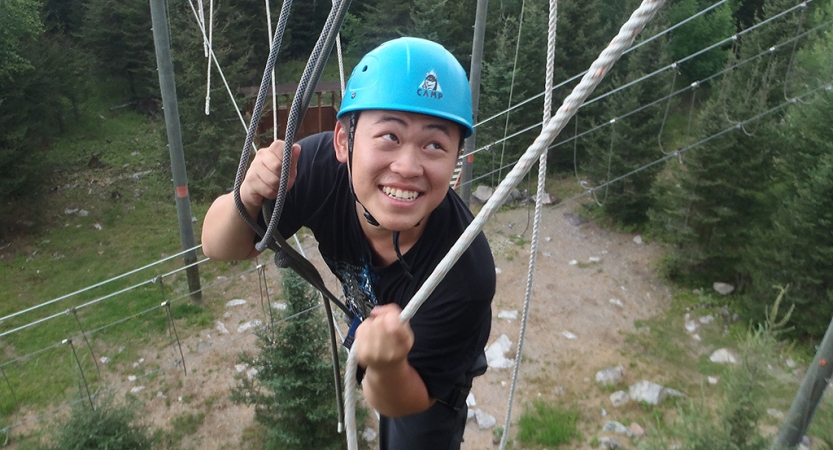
x=399 y=194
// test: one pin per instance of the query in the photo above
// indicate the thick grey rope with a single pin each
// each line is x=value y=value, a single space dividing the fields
x=256 y=113
x=300 y=103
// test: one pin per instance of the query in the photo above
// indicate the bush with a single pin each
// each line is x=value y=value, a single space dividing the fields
x=108 y=427
x=293 y=390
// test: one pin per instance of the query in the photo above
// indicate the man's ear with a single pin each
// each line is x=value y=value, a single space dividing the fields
x=340 y=142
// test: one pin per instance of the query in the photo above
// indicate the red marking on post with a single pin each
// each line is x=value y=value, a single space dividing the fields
x=470 y=158
x=822 y=362
x=182 y=191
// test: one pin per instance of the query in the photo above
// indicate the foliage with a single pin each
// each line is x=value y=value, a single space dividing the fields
x=293 y=389
x=108 y=427
x=19 y=22
x=735 y=423
x=40 y=80
x=706 y=30
x=806 y=211
x=548 y=425
x=631 y=141
x=707 y=207
x=118 y=35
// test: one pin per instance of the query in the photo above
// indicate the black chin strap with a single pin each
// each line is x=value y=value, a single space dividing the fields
x=351 y=133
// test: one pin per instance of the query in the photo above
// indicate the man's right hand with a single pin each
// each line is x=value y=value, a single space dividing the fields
x=263 y=178
x=225 y=235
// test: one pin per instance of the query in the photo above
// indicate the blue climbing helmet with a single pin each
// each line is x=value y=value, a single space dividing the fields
x=413 y=75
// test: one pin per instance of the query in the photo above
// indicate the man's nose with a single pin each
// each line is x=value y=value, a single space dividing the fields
x=408 y=163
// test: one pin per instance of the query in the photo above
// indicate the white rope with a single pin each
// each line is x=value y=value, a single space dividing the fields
x=219 y=69
x=208 y=55
x=591 y=79
x=340 y=63
x=511 y=87
x=536 y=223
x=274 y=93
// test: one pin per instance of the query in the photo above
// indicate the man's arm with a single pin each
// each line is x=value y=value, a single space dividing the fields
x=225 y=235
x=391 y=385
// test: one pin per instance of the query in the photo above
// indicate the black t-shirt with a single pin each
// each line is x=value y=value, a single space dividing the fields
x=452 y=326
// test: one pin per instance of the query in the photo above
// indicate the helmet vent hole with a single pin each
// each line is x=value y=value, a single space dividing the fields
x=364 y=69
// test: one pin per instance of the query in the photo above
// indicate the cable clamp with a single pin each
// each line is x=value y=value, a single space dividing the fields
x=696 y=84
x=165 y=303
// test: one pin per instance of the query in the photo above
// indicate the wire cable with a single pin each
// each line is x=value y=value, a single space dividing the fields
x=576 y=77
x=96 y=285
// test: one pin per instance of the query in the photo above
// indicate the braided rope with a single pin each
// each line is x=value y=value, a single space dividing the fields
x=300 y=103
x=274 y=49
x=591 y=79
x=536 y=223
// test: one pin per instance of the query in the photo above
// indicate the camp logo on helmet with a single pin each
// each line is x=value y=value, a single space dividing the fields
x=430 y=87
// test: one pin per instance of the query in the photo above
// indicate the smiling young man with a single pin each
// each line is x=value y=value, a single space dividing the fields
x=375 y=194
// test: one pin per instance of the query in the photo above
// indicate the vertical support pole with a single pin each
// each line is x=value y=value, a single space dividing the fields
x=165 y=67
x=474 y=85
x=80 y=369
x=809 y=395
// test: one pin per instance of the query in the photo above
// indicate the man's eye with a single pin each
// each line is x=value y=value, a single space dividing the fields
x=390 y=137
x=434 y=146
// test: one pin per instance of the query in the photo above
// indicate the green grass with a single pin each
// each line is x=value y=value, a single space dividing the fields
x=129 y=223
x=548 y=425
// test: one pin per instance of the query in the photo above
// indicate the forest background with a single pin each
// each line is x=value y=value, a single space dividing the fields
x=748 y=200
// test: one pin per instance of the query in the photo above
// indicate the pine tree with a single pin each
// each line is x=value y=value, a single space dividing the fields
x=697 y=34
x=710 y=207
x=630 y=142
x=430 y=20
x=293 y=389
x=118 y=34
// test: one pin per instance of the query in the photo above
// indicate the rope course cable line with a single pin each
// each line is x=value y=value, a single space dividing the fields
x=152 y=372
x=577 y=76
x=124 y=319
x=96 y=285
x=100 y=299
x=512 y=84
x=217 y=65
x=693 y=86
x=826 y=86
x=691 y=56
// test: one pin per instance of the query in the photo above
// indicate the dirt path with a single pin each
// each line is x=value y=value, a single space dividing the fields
x=574 y=298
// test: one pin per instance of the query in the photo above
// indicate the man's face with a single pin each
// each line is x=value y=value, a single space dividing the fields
x=402 y=163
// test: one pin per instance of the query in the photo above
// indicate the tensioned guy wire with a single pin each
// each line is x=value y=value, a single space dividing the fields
x=692 y=86
x=732 y=38
x=576 y=77
x=93 y=286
